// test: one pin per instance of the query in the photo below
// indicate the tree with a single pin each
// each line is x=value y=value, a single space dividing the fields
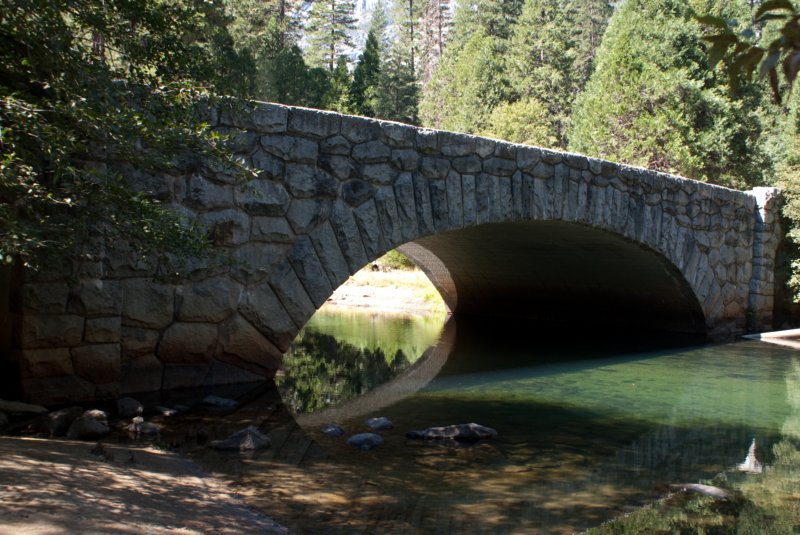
x=328 y=31
x=398 y=98
x=652 y=101
x=366 y=78
x=435 y=26
x=525 y=121
x=338 y=93
x=88 y=88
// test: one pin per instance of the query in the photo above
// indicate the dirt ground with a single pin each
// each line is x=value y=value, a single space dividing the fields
x=394 y=291
x=50 y=487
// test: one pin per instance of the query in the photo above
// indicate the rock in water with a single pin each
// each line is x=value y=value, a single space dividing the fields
x=90 y=425
x=365 y=441
x=58 y=422
x=332 y=430
x=460 y=433
x=220 y=403
x=129 y=407
x=378 y=424
x=248 y=439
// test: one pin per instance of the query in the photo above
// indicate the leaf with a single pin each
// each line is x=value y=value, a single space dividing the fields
x=716 y=53
x=770 y=16
x=774 y=5
x=773 y=83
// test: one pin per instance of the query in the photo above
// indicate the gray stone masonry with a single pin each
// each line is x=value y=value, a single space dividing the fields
x=334 y=192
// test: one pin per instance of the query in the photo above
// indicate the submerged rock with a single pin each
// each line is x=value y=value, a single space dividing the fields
x=460 y=433
x=332 y=430
x=248 y=439
x=90 y=425
x=378 y=424
x=220 y=402
x=365 y=441
x=59 y=422
x=139 y=427
x=129 y=407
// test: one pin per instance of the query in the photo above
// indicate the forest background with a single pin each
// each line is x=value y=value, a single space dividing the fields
x=113 y=83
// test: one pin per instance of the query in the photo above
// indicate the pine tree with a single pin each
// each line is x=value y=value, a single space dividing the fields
x=651 y=100
x=328 y=31
x=589 y=21
x=366 y=78
x=337 y=97
x=435 y=26
x=398 y=98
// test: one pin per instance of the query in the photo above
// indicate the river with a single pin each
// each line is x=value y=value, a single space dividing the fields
x=590 y=426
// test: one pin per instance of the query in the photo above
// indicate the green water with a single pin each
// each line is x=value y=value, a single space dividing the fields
x=589 y=426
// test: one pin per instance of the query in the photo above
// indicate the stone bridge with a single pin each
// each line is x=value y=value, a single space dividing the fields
x=500 y=229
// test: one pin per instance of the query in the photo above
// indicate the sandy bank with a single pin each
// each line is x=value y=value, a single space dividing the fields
x=51 y=487
x=394 y=291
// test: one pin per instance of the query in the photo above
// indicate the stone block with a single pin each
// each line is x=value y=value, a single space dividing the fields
x=455 y=208
x=306 y=214
x=336 y=145
x=240 y=339
x=223 y=373
x=96 y=297
x=330 y=255
x=341 y=167
x=454 y=145
x=253 y=262
x=388 y=216
x=226 y=227
x=103 y=330
x=208 y=301
x=45 y=298
x=291 y=149
x=427 y=141
x=268 y=118
x=468 y=199
x=348 y=235
x=485 y=147
x=137 y=342
x=308 y=269
x=434 y=167
x=203 y=194
x=44 y=331
x=356 y=192
x=305 y=181
x=45 y=362
x=468 y=164
x=268 y=166
x=500 y=166
x=369 y=226
x=359 y=130
x=142 y=374
x=262 y=197
x=97 y=363
x=406 y=159
x=188 y=343
x=147 y=304
x=542 y=171
x=398 y=135
x=439 y=207
x=372 y=152
x=379 y=173
x=406 y=210
x=314 y=123
x=292 y=294
x=261 y=307
x=271 y=229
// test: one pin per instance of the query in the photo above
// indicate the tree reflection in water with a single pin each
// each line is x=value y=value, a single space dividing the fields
x=320 y=371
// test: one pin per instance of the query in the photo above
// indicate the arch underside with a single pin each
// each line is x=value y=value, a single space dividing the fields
x=560 y=272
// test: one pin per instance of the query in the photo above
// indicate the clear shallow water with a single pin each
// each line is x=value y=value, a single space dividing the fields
x=589 y=426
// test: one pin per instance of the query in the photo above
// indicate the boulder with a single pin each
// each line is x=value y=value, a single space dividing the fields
x=129 y=407
x=220 y=402
x=461 y=433
x=90 y=425
x=17 y=407
x=248 y=439
x=365 y=441
x=59 y=422
x=139 y=427
x=332 y=430
x=378 y=424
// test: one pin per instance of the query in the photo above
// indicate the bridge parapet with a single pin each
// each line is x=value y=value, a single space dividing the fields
x=333 y=193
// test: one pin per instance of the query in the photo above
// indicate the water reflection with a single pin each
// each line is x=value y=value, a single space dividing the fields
x=589 y=428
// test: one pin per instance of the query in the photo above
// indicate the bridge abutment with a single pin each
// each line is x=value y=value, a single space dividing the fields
x=335 y=192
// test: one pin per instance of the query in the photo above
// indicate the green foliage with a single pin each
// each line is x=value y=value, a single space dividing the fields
x=328 y=31
x=366 y=78
x=89 y=89
x=394 y=259
x=653 y=102
x=525 y=121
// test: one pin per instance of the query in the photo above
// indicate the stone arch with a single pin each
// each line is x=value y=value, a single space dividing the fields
x=333 y=193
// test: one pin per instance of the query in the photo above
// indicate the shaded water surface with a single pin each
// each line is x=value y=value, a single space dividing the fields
x=590 y=427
